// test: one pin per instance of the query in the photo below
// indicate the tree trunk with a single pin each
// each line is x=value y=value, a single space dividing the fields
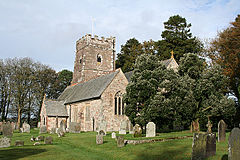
x=19 y=116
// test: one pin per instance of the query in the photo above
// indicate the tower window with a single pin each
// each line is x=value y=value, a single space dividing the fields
x=80 y=61
x=99 y=58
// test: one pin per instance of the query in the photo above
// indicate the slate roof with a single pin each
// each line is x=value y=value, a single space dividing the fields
x=166 y=62
x=87 y=90
x=55 y=108
x=128 y=75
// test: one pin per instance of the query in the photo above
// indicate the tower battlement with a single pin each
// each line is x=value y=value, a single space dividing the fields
x=94 y=57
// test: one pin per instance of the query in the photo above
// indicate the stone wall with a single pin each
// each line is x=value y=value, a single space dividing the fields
x=43 y=114
x=88 y=49
x=91 y=112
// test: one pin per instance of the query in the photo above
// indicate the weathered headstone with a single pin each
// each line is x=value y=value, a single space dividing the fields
x=5 y=142
x=53 y=131
x=113 y=135
x=13 y=125
x=99 y=139
x=222 y=131
x=151 y=130
x=130 y=128
x=26 y=128
x=123 y=127
x=74 y=127
x=209 y=126
x=211 y=144
x=102 y=132
x=7 y=129
x=195 y=126
x=60 y=132
x=63 y=126
x=199 y=146
x=234 y=144
x=38 y=124
x=43 y=129
x=40 y=138
x=204 y=145
x=120 y=141
x=19 y=143
x=137 y=131
x=102 y=127
x=48 y=140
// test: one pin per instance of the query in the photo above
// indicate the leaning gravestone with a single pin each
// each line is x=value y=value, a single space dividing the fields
x=5 y=142
x=7 y=129
x=113 y=135
x=137 y=131
x=151 y=130
x=48 y=140
x=120 y=141
x=221 y=131
x=123 y=127
x=234 y=144
x=43 y=129
x=26 y=127
x=74 y=127
x=99 y=139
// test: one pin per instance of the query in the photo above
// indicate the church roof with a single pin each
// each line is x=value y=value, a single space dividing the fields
x=87 y=90
x=55 y=108
x=128 y=75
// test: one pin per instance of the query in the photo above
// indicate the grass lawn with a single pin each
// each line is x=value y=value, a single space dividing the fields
x=83 y=146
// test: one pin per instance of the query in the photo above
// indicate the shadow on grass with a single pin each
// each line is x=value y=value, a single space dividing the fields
x=224 y=157
x=16 y=153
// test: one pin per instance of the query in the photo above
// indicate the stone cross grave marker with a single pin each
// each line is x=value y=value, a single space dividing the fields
x=234 y=144
x=209 y=126
x=151 y=129
x=222 y=131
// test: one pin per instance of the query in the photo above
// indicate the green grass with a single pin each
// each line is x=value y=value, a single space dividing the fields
x=83 y=146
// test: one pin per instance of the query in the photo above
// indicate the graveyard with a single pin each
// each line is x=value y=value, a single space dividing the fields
x=173 y=145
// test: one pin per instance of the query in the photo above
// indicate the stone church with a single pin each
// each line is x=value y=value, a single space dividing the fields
x=96 y=91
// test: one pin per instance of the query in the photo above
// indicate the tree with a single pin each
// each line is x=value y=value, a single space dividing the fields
x=177 y=37
x=225 y=51
x=128 y=54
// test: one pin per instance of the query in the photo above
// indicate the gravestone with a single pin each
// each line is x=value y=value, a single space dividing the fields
x=130 y=128
x=211 y=145
x=102 y=127
x=13 y=125
x=48 y=140
x=204 y=145
x=209 y=126
x=38 y=124
x=19 y=143
x=113 y=135
x=120 y=141
x=101 y=132
x=53 y=131
x=26 y=128
x=63 y=126
x=99 y=139
x=5 y=142
x=222 y=131
x=74 y=127
x=151 y=130
x=123 y=127
x=7 y=129
x=234 y=144
x=60 y=132
x=137 y=131
x=199 y=146
x=40 y=138
x=43 y=129
x=195 y=126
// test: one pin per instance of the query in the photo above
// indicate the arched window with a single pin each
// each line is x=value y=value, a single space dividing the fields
x=118 y=104
x=99 y=58
x=80 y=61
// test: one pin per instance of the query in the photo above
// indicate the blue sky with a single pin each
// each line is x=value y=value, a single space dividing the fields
x=47 y=30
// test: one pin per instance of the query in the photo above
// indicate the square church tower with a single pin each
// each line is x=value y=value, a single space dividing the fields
x=94 y=57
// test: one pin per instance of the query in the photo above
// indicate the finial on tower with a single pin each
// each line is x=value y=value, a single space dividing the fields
x=172 y=57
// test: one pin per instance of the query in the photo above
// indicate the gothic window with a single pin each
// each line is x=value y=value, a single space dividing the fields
x=44 y=122
x=99 y=58
x=118 y=104
x=80 y=61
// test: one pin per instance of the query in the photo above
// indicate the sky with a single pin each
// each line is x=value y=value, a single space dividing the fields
x=47 y=30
